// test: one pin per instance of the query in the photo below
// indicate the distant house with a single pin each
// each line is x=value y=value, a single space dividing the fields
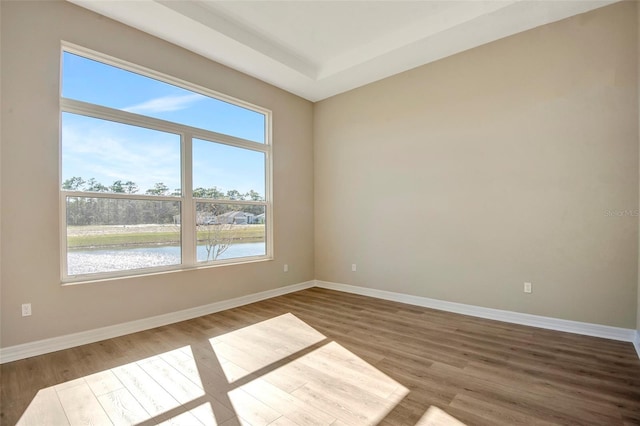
x=236 y=218
x=202 y=218
x=259 y=219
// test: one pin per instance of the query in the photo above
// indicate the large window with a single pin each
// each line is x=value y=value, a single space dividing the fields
x=157 y=173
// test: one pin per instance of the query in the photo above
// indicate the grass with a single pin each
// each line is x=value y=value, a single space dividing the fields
x=112 y=238
x=244 y=234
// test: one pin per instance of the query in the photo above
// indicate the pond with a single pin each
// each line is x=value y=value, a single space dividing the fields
x=110 y=260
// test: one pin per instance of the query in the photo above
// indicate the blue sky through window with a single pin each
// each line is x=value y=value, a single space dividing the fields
x=108 y=151
x=244 y=170
x=91 y=81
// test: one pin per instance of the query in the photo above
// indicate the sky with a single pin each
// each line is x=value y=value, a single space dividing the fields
x=109 y=151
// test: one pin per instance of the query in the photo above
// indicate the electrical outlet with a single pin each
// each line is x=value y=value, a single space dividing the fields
x=286 y=267
x=527 y=287
x=353 y=267
x=26 y=309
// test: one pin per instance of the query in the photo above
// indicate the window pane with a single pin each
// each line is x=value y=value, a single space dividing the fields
x=108 y=234
x=98 y=83
x=228 y=231
x=226 y=172
x=105 y=156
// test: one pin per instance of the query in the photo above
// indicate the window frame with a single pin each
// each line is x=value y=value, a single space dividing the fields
x=188 y=228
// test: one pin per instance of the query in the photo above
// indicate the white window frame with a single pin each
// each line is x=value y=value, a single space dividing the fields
x=187 y=201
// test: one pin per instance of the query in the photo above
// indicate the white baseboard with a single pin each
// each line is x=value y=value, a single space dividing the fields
x=14 y=353
x=597 y=330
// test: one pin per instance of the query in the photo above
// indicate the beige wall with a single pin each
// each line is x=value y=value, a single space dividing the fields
x=458 y=180
x=638 y=58
x=31 y=34
x=462 y=179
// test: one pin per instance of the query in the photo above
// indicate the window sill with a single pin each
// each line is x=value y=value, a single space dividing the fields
x=126 y=275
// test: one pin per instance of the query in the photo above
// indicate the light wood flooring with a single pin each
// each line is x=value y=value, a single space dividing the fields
x=329 y=358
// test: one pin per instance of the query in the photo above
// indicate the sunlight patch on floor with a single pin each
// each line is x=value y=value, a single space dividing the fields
x=202 y=414
x=260 y=345
x=127 y=394
x=276 y=372
x=436 y=417
x=321 y=386
x=327 y=384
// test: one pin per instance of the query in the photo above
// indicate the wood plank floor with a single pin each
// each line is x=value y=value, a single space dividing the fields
x=320 y=357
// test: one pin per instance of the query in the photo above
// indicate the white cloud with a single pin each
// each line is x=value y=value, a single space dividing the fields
x=165 y=104
x=106 y=152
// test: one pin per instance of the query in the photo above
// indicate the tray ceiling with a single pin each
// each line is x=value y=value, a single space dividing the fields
x=317 y=49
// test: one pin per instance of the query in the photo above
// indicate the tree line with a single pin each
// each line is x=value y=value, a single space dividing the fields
x=87 y=210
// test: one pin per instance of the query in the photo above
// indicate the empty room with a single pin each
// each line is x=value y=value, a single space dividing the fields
x=319 y=212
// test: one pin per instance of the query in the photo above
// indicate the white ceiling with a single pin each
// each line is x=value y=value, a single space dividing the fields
x=317 y=49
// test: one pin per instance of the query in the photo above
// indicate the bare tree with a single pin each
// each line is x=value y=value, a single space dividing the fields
x=217 y=238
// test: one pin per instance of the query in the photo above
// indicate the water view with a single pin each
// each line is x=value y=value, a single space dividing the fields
x=109 y=260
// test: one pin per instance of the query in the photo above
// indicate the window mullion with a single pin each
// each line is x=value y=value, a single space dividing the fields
x=269 y=196
x=118 y=195
x=230 y=202
x=188 y=225
x=73 y=106
x=63 y=235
